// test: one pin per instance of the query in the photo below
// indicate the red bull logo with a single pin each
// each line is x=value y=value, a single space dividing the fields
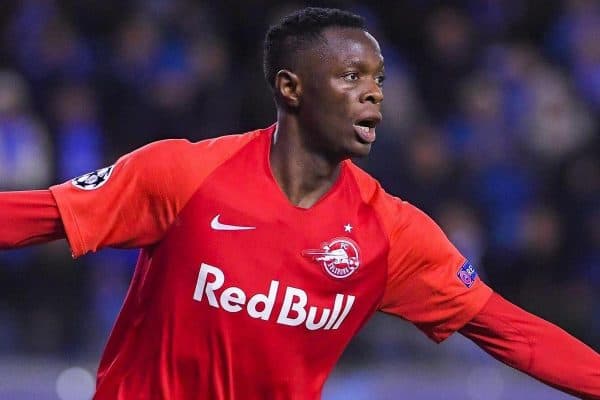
x=294 y=310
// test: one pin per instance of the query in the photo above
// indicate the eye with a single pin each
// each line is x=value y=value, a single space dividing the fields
x=379 y=79
x=351 y=76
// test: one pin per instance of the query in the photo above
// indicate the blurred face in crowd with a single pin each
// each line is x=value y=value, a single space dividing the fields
x=339 y=93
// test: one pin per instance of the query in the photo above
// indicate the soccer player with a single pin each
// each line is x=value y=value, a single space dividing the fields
x=264 y=253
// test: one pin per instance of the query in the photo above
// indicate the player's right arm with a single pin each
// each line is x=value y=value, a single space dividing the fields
x=129 y=204
x=132 y=203
x=29 y=217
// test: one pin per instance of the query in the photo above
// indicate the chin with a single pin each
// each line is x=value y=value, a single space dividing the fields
x=359 y=150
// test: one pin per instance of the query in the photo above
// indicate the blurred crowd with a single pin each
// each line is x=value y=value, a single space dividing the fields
x=491 y=125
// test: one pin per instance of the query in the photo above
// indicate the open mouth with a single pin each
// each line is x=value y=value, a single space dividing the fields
x=365 y=129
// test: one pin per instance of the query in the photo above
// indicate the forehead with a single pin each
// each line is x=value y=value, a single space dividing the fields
x=344 y=46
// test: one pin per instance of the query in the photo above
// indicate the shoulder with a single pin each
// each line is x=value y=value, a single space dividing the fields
x=396 y=215
x=227 y=144
x=180 y=156
x=174 y=168
x=215 y=148
x=391 y=210
x=367 y=185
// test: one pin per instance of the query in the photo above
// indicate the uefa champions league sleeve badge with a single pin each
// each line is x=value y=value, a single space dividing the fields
x=93 y=180
x=467 y=274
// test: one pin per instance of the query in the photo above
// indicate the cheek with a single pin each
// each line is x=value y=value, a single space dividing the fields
x=340 y=100
x=329 y=102
x=334 y=113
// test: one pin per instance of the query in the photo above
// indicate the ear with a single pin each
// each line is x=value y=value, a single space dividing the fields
x=288 y=88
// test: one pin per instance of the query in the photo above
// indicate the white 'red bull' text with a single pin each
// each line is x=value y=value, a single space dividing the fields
x=260 y=306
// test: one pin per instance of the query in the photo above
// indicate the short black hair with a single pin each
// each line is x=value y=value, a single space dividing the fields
x=297 y=30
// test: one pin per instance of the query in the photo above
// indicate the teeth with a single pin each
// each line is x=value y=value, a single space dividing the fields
x=365 y=129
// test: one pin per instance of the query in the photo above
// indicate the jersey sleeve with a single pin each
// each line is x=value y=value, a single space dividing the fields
x=29 y=217
x=536 y=347
x=429 y=282
x=134 y=202
x=129 y=204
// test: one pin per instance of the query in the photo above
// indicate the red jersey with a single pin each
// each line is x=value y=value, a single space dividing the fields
x=239 y=294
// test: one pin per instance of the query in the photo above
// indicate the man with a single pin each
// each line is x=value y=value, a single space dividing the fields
x=264 y=253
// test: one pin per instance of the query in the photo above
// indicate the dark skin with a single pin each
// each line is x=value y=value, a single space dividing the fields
x=336 y=85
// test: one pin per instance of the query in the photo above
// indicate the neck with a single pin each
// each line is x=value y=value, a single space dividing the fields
x=302 y=173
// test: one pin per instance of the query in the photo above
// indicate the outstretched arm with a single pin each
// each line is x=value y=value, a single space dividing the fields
x=535 y=347
x=28 y=217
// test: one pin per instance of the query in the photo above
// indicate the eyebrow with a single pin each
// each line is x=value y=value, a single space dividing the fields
x=357 y=62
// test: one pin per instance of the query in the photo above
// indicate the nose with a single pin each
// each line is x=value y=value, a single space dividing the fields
x=372 y=94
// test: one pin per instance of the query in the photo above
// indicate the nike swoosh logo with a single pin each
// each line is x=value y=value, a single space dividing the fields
x=218 y=226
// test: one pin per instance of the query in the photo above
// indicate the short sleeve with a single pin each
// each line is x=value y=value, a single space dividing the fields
x=429 y=282
x=129 y=204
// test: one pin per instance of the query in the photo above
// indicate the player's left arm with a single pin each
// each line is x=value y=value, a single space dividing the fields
x=535 y=347
x=432 y=285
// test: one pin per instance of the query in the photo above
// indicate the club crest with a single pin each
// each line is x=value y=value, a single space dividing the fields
x=339 y=257
x=93 y=180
